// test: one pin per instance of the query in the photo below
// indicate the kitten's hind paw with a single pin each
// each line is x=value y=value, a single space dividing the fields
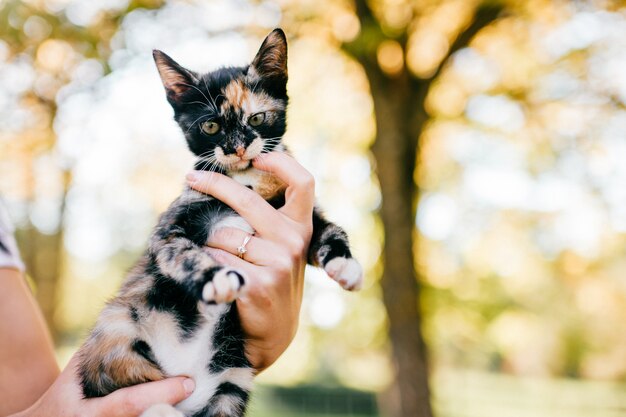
x=162 y=410
x=347 y=272
x=225 y=286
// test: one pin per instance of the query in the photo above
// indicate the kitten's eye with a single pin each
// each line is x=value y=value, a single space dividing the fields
x=256 y=119
x=210 y=128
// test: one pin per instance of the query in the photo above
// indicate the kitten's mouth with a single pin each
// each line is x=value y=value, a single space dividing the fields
x=238 y=166
x=242 y=158
x=233 y=162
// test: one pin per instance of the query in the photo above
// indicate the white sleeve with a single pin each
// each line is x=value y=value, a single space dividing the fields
x=9 y=254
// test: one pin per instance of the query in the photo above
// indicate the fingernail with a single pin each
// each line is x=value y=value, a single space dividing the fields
x=192 y=176
x=189 y=385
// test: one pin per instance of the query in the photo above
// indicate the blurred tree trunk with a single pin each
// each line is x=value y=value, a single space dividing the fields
x=400 y=117
x=399 y=107
x=43 y=256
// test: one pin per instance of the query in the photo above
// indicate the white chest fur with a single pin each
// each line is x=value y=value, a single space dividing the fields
x=189 y=357
x=234 y=221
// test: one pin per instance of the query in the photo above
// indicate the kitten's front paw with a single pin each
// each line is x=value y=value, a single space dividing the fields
x=225 y=286
x=347 y=272
x=162 y=410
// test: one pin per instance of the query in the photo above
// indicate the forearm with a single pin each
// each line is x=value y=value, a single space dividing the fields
x=26 y=353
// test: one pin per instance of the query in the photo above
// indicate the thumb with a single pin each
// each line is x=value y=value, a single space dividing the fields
x=132 y=401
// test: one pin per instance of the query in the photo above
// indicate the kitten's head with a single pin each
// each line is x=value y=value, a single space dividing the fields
x=231 y=115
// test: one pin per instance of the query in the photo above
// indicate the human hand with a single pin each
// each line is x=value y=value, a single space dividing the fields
x=65 y=398
x=276 y=255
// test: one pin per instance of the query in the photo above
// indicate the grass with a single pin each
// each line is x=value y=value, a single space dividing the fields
x=311 y=401
x=480 y=394
x=457 y=393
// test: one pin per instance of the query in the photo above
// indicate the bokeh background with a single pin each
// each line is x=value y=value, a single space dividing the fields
x=474 y=150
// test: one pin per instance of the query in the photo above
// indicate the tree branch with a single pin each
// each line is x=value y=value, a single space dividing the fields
x=363 y=11
x=485 y=14
x=363 y=48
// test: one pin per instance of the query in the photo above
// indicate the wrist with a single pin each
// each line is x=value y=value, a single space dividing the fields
x=262 y=357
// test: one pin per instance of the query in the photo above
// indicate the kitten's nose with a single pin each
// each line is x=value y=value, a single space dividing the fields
x=240 y=150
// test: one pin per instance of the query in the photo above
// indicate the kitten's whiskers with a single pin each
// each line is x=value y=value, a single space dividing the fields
x=209 y=92
x=269 y=144
x=194 y=122
x=199 y=102
x=205 y=97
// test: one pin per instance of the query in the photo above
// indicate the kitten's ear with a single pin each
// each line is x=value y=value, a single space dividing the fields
x=271 y=60
x=176 y=79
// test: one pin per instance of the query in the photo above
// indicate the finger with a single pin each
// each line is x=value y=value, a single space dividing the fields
x=300 y=193
x=223 y=257
x=132 y=401
x=256 y=276
x=251 y=271
x=251 y=206
x=258 y=284
x=257 y=251
x=260 y=280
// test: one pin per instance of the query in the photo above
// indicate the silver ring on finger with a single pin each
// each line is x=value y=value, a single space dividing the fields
x=241 y=250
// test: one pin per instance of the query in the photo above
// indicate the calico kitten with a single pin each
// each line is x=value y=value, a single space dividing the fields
x=174 y=313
